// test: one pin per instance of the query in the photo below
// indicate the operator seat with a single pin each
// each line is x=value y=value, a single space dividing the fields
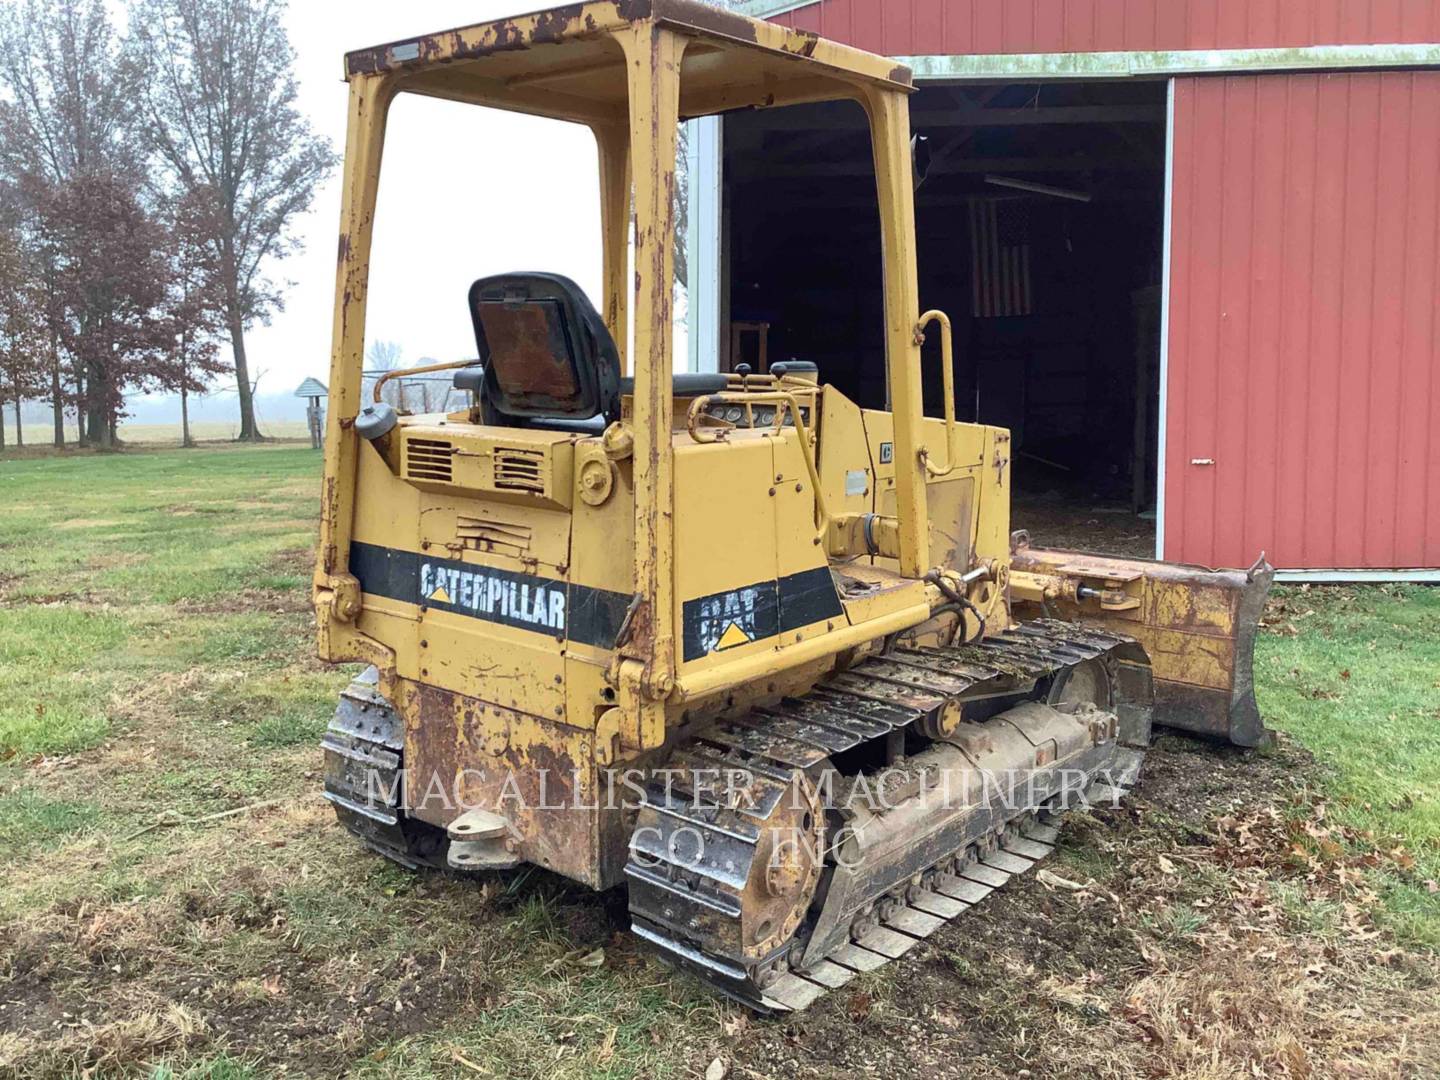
x=546 y=357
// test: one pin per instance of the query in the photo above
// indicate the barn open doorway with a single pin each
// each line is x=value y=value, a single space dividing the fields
x=1040 y=231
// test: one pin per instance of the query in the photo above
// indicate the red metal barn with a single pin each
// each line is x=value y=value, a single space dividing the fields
x=1190 y=247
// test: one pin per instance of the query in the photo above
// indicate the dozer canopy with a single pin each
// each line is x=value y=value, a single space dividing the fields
x=568 y=63
x=631 y=72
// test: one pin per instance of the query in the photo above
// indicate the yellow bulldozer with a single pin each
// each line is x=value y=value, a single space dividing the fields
x=772 y=661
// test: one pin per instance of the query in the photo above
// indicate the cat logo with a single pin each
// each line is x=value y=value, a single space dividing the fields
x=516 y=600
x=728 y=620
x=733 y=636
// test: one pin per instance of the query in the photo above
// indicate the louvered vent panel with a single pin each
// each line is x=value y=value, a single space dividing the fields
x=488 y=535
x=519 y=470
x=429 y=459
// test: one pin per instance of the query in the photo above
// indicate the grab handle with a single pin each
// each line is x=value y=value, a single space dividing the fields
x=947 y=375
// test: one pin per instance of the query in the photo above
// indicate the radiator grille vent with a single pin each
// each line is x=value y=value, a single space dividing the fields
x=480 y=534
x=519 y=470
x=430 y=459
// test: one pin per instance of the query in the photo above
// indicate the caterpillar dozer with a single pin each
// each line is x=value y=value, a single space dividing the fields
x=770 y=660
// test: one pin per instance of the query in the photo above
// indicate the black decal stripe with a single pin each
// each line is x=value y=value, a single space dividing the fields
x=768 y=607
x=523 y=601
x=808 y=597
x=386 y=572
x=595 y=616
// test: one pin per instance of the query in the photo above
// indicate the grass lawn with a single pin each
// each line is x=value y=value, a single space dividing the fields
x=1268 y=914
x=1354 y=675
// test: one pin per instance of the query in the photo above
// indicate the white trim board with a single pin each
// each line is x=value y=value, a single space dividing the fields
x=1144 y=63
x=768 y=9
x=1141 y=64
x=1126 y=65
x=1163 y=391
x=702 y=243
x=1424 y=577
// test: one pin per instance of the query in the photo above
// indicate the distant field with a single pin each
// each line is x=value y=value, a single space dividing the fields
x=1243 y=915
x=37 y=435
x=208 y=430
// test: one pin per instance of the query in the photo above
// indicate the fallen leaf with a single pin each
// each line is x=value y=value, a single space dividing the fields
x=860 y=1005
x=716 y=1070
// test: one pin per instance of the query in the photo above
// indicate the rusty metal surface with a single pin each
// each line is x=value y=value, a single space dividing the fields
x=586 y=21
x=529 y=351
x=462 y=753
x=1197 y=625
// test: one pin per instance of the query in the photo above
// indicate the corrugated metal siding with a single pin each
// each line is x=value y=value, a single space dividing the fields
x=951 y=27
x=1303 y=340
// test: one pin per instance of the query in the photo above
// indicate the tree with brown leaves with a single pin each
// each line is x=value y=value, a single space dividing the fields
x=68 y=114
x=111 y=302
x=219 y=111
x=23 y=367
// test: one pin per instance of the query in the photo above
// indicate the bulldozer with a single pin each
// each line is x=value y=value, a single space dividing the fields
x=769 y=660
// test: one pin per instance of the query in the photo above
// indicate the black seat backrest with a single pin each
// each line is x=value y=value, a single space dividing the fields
x=546 y=352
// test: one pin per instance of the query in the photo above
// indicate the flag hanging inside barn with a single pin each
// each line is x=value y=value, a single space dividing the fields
x=1000 y=257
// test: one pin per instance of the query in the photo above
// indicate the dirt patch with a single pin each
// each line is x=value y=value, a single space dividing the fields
x=60 y=599
x=85 y=523
x=237 y=955
x=244 y=601
x=111 y=560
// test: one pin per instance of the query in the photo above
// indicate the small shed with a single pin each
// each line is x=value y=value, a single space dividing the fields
x=1191 y=249
x=314 y=391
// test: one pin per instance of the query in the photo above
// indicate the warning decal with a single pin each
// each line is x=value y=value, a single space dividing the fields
x=736 y=617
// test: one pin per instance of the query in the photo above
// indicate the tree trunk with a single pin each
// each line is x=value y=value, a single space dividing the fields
x=81 y=429
x=2 y=427
x=185 y=439
x=249 y=432
x=19 y=430
x=97 y=420
x=56 y=401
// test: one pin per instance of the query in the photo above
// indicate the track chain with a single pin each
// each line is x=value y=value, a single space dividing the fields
x=690 y=914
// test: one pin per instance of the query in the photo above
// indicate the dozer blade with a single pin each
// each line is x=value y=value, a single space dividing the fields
x=1197 y=624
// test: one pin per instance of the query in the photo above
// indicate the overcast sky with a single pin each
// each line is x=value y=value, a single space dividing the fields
x=464 y=192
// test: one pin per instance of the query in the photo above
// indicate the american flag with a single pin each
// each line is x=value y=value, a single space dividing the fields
x=1000 y=257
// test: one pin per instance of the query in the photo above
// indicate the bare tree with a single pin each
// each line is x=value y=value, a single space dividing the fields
x=195 y=315
x=22 y=335
x=220 y=113
x=383 y=356
x=72 y=92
